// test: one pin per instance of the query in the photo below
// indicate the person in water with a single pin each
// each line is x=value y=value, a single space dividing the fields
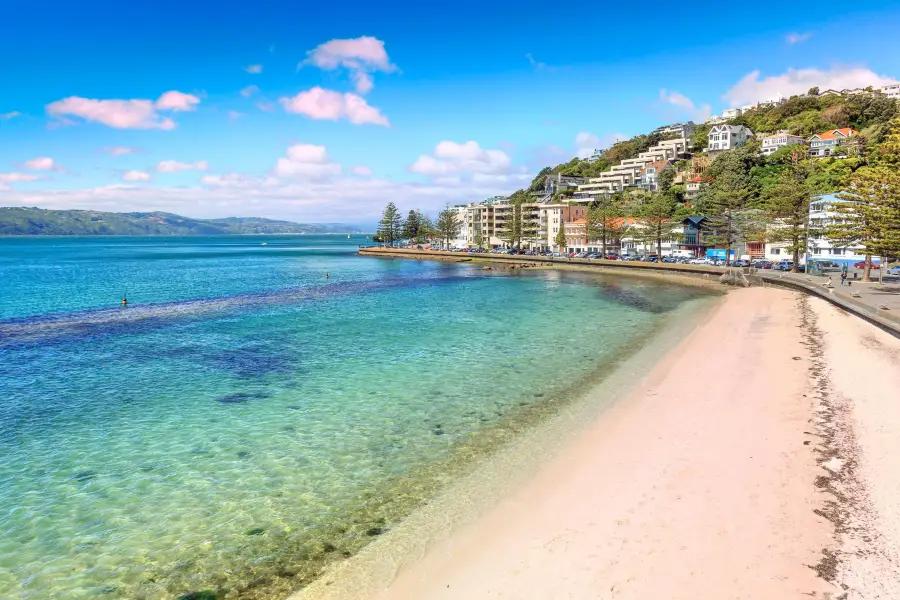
x=124 y=301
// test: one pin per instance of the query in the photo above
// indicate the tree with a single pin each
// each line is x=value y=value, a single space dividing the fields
x=448 y=226
x=560 y=238
x=813 y=91
x=606 y=222
x=786 y=204
x=478 y=237
x=656 y=219
x=389 y=227
x=412 y=225
x=856 y=221
x=666 y=178
x=727 y=200
x=520 y=225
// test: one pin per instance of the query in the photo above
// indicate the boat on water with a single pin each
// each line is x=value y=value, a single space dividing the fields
x=264 y=244
x=348 y=236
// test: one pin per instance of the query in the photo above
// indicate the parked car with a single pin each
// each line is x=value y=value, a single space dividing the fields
x=894 y=270
x=862 y=265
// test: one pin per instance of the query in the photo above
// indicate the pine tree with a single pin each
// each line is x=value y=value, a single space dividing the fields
x=521 y=225
x=606 y=222
x=786 y=207
x=656 y=218
x=863 y=219
x=389 y=227
x=412 y=225
x=448 y=226
x=727 y=201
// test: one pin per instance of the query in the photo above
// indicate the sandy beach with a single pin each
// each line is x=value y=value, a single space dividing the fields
x=759 y=459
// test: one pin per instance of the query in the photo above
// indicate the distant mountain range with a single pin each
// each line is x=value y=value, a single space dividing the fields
x=37 y=221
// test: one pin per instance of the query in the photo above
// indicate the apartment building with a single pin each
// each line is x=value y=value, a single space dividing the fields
x=727 y=137
x=682 y=130
x=772 y=143
x=650 y=175
x=822 y=214
x=891 y=90
x=831 y=142
x=629 y=173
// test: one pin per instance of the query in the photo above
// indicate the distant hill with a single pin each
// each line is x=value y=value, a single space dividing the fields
x=37 y=221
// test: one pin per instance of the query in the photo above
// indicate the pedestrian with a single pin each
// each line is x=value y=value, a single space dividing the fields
x=843 y=277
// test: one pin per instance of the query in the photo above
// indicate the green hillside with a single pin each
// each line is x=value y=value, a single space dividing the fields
x=799 y=115
x=37 y=221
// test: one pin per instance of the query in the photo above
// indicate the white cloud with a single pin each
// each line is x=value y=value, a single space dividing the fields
x=540 y=66
x=751 y=88
x=307 y=161
x=360 y=56
x=451 y=158
x=10 y=115
x=696 y=113
x=136 y=176
x=265 y=106
x=173 y=166
x=119 y=150
x=42 y=163
x=177 y=101
x=249 y=91
x=586 y=142
x=318 y=103
x=17 y=177
x=796 y=38
x=362 y=171
x=123 y=114
x=254 y=69
x=234 y=114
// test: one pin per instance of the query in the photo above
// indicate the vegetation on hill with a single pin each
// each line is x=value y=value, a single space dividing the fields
x=37 y=221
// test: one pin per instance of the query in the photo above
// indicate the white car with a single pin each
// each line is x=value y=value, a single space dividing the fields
x=700 y=261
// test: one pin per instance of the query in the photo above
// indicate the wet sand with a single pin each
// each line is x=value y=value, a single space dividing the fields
x=758 y=459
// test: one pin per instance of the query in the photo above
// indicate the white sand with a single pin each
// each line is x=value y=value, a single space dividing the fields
x=699 y=485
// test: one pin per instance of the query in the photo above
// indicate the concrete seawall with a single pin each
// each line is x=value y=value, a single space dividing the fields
x=883 y=319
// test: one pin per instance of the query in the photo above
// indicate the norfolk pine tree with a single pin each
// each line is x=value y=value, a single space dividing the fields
x=656 y=216
x=786 y=206
x=448 y=226
x=389 y=227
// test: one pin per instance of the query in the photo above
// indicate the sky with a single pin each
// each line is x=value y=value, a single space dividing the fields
x=314 y=112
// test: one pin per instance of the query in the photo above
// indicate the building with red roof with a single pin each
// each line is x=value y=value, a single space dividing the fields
x=830 y=142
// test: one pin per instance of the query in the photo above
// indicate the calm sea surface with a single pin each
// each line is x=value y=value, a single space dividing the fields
x=245 y=420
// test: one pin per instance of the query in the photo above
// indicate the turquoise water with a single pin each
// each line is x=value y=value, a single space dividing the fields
x=245 y=421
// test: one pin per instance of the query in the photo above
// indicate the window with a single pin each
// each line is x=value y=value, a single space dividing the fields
x=776 y=251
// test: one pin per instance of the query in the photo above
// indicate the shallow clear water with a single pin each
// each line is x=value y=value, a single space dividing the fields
x=244 y=421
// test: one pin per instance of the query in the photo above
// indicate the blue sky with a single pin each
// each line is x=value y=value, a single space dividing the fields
x=319 y=112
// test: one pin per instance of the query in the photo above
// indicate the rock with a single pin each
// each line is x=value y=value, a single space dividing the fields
x=256 y=531
x=243 y=454
x=883 y=307
x=241 y=397
x=81 y=476
x=204 y=595
x=294 y=407
x=375 y=531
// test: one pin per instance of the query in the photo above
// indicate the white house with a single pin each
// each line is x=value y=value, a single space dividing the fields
x=731 y=113
x=726 y=137
x=771 y=143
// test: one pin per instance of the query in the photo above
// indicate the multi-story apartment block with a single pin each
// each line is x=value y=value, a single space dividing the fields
x=771 y=143
x=732 y=113
x=682 y=130
x=831 y=142
x=822 y=214
x=727 y=137
x=628 y=173
x=891 y=90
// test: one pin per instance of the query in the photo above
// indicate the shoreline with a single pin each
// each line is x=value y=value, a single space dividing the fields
x=467 y=497
x=774 y=474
